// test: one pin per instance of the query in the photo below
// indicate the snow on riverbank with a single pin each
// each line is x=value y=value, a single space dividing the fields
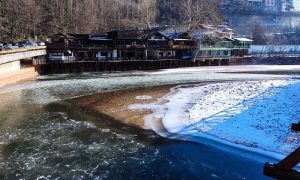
x=253 y=114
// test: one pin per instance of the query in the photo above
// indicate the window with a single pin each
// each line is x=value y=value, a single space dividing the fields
x=161 y=54
x=57 y=54
x=200 y=54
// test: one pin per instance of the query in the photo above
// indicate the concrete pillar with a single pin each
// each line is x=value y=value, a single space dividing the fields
x=157 y=54
x=146 y=54
x=109 y=55
x=120 y=54
x=9 y=67
x=115 y=54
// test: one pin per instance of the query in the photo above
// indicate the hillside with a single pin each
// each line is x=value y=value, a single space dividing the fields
x=22 y=19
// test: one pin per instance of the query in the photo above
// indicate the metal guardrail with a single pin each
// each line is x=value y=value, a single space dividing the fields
x=20 y=50
x=223 y=47
x=215 y=48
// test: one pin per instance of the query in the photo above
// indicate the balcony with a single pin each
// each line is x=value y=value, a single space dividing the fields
x=219 y=47
x=90 y=46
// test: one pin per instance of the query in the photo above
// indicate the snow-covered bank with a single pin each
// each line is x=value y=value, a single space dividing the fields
x=251 y=114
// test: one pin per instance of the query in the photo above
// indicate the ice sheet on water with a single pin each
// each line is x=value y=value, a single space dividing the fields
x=52 y=88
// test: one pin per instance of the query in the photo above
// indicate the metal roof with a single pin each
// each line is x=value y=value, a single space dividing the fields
x=99 y=38
x=243 y=39
x=175 y=35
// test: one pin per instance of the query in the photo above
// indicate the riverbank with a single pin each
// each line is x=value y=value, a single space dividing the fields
x=115 y=103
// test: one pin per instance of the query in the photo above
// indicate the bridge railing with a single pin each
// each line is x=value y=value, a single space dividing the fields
x=19 y=50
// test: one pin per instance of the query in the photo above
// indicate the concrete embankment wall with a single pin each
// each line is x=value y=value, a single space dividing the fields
x=17 y=64
x=17 y=75
x=11 y=73
x=100 y=66
x=9 y=67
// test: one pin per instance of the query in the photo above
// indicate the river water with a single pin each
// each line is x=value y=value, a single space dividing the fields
x=44 y=137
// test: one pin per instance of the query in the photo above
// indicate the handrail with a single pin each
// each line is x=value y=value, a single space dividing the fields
x=19 y=50
x=222 y=47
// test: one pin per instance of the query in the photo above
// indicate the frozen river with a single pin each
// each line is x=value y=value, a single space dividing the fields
x=42 y=137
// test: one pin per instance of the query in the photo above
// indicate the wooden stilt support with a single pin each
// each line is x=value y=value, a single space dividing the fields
x=296 y=127
x=284 y=169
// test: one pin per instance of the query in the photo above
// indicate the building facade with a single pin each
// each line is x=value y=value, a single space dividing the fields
x=257 y=5
x=261 y=6
x=146 y=45
x=121 y=45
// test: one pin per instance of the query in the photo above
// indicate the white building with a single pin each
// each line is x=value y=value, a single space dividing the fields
x=272 y=5
x=296 y=5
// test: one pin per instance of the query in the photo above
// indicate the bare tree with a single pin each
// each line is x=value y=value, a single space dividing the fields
x=196 y=12
x=27 y=18
x=259 y=33
x=148 y=12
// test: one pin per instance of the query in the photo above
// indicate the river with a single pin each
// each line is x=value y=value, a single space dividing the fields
x=44 y=137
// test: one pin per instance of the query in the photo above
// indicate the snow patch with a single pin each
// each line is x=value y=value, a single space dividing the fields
x=253 y=114
x=143 y=97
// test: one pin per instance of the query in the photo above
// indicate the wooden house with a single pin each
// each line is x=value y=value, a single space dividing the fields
x=241 y=47
x=147 y=45
x=88 y=47
x=58 y=49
